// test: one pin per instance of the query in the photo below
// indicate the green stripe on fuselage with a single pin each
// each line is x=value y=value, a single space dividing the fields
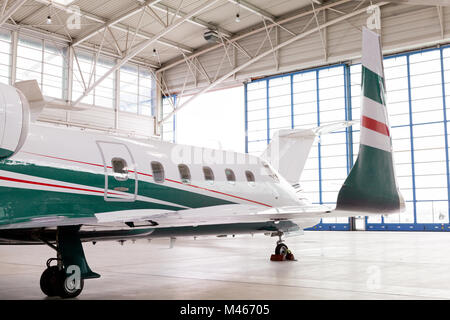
x=77 y=204
x=4 y=153
x=20 y=205
x=373 y=86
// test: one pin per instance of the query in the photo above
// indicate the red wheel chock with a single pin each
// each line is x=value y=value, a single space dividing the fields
x=282 y=257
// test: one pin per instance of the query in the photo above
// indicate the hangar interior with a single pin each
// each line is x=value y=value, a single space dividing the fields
x=293 y=63
x=141 y=68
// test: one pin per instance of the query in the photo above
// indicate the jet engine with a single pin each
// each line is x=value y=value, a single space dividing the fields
x=14 y=120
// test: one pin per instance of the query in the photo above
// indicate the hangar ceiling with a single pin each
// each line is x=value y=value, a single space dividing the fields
x=267 y=37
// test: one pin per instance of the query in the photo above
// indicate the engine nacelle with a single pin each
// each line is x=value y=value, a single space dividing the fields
x=14 y=120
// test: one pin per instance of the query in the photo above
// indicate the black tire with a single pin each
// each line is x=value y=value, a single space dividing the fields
x=67 y=288
x=281 y=249
x=50 y=281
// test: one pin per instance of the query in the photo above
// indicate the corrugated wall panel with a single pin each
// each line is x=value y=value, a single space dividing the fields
x=102 y=118
x=96 y=116
x=140 y=125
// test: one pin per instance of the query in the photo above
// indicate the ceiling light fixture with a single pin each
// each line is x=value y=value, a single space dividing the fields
x=238 y=16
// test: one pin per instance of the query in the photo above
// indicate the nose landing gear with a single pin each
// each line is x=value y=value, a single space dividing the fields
x=282 y=252
x=281 y=249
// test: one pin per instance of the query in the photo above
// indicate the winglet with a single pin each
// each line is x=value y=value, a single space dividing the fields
x=371 y=185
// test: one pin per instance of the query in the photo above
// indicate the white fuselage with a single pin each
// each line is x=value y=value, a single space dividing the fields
x=74 y=151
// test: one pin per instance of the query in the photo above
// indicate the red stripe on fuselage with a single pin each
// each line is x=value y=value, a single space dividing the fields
x=149 y=175
x=57 y=158
x=375 y=125
x=225 y=194
x=53 y=185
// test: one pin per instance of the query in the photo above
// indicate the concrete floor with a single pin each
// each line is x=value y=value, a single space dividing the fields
x=331 y=265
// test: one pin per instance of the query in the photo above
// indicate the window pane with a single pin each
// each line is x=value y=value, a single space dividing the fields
x=5 y=57
x=157 y=171
x=250 y=177
x=136 y=90
x=230 y=175
x=29 y=60
x=185 y=174
x=209 y=174
x=54 y=71
x=104 y=94
x=120 y=169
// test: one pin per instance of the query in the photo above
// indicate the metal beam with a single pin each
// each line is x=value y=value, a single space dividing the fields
x=142 y=46
x=443 y=3
x=11 y=10
x=117 y=26
x=248 y=6
x=441 y=20
x=262 y=13
x=193 y=20
x=14 y=42
x=252 y=31
x=64 y=41
x=268 y=52
x=113 y=21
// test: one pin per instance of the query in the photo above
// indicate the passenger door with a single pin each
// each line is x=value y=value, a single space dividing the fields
x=121 y=181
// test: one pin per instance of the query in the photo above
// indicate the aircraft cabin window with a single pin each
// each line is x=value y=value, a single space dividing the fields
x=209 y=174
x=120 y=169
x=158 y=172
x=250 y=177
x=230 y=176
x=185 y=174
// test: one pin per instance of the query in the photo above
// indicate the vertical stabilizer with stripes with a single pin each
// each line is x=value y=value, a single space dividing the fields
x=371 y=185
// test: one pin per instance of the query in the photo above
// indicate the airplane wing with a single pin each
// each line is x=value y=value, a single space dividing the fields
x=222 y=214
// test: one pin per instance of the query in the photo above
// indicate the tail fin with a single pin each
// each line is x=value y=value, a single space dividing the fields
x=371 y=185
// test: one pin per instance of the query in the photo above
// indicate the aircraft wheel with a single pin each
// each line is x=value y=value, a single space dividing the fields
x=68 y=286
x=49 y=281
x=281 y=249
